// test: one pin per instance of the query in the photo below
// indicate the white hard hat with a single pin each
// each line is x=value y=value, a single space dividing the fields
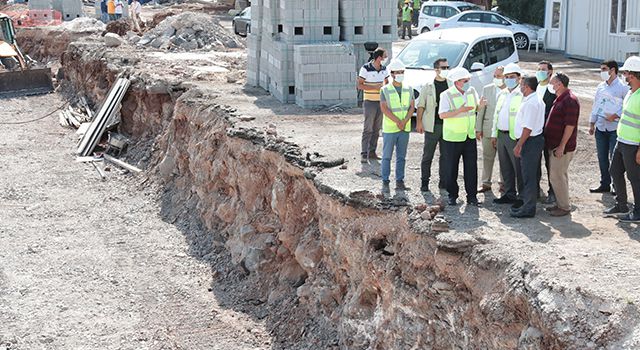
x=512 y=68
x=395 y=65
x=458 y=73
x=632 y=64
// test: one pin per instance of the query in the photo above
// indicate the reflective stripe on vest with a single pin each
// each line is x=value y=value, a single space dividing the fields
x=406 y=14
x=462 y=126
x=629 y=124
x=399 y=106
x=514 y=106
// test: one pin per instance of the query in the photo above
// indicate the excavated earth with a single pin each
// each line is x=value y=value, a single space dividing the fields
x=330 y=267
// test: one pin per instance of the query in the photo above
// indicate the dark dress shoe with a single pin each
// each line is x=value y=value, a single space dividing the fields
x=517 y=204
x=424 y=188
x=616 y=209
x=504 y=200
x=559 y=212
x=474 y=202
x=631 y=217
x=601 y=189
x=374 y=156
x=484 y=188
x=521 y=214
x=452 y=201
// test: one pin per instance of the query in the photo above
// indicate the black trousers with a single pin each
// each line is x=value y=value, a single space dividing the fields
x=528 y=162
x=453 y=151
x=624 y=161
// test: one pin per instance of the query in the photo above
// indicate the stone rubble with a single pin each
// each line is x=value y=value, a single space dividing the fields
x=189 y=31
x=84 y=25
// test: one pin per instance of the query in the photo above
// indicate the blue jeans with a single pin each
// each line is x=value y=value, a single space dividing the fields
x=605 y=144
x=399 y=141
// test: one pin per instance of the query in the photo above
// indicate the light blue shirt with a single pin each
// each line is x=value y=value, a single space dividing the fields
x=608 y=100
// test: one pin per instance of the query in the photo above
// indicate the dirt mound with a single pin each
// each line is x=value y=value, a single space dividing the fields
x=189 y=31
x=120 y=27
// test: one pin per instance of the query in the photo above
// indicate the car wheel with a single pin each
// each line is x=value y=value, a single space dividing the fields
x=247 y=29
x=522 y=41
x=424 y=30
x=235 y=28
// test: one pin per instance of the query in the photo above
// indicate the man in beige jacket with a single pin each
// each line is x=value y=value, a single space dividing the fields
x=484 y=127
x=428 y=122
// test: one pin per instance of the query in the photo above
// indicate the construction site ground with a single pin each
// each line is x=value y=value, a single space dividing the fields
x=91 y=264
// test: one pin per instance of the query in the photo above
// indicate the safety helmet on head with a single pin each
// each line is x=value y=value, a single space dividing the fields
x=512 y=68
x=632 y=64
x=395 y=65
x=458 y=73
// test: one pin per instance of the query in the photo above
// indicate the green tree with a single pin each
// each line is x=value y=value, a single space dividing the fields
x=526 y=11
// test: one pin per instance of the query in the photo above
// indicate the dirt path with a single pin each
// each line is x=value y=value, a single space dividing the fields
x=86 y=264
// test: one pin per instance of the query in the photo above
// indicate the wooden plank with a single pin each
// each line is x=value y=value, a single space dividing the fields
x=121 y=164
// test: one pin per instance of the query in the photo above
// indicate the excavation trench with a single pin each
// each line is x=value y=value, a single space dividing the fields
x=321 y=269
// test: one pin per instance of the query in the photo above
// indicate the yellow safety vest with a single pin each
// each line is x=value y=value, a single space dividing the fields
x=416 y=4
x=629 y=123
x=462 y=126
x=399 y=106
x=406 y=14
x=514 y=107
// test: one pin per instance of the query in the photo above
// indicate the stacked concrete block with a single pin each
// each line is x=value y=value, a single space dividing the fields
x=70 y=9
x=294 y=51
x=324 y=75
x=368 y=20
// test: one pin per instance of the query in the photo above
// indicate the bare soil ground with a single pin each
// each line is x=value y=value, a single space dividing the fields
x=86 y=264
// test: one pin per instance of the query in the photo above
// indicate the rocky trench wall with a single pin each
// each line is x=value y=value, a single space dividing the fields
x=380 y=278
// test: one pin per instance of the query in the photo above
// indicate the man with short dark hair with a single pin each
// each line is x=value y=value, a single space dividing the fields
x=371 y=78
x=547 y=95
x=560 y=136
x=626 y=157
x=528 y=150
x=428 y=121
x=607 y=109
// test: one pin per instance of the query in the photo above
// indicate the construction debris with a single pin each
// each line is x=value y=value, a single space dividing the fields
x=189 y=31
x=84 y=25
x=109 y=108
x=112 y=40
x=121 y=164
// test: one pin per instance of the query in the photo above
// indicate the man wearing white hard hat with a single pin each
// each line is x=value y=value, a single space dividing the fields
x=504 y=136
x=626 y=156
x=458 y=107
x=397 y=105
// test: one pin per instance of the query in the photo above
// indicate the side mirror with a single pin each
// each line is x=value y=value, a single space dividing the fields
x=476 y=67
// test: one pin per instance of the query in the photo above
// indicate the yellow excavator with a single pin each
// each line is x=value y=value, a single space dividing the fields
x=19 y=74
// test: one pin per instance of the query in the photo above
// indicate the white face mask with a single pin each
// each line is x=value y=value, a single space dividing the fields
x=604 y=75
x=398 y=78
x=444 y=73
x=384 y=61
x=551 y=89
x=498 y=82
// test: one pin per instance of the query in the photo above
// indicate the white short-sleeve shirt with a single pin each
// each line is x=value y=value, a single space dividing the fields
x=530 y=116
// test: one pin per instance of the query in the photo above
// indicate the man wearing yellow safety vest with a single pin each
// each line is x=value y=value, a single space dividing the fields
x=503 y=136
x=626 y=156
x=397 y=104
x=416 y=11
x=371 y=78
x=457 y=109
x=407 y=14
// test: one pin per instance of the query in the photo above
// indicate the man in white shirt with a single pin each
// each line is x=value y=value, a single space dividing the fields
x=528 y=149
x=606 y=112
x=503 y=136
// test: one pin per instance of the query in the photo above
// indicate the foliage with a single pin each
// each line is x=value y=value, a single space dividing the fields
x=526 y=11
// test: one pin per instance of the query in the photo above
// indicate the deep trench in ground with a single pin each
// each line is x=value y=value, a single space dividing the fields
x=322 y=269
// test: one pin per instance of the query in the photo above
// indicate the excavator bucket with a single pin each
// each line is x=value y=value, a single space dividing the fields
x=32 y=81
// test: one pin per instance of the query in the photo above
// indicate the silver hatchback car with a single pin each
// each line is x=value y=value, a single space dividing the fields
x=242 y=22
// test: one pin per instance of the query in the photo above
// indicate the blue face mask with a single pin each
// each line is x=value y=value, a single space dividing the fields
x=466 y=86
x=511 y=83
x=541 y=75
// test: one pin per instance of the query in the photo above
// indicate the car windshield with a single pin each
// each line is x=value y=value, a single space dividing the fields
x=421 y=54
x=463 y=8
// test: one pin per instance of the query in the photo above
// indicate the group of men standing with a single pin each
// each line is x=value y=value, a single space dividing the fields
x=521 y=119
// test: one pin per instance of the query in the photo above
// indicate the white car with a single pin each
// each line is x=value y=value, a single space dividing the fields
x=479 y=51
x=522 y=33
x=435 y=11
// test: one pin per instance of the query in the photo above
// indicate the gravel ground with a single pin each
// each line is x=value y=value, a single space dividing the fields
x=86 y=264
